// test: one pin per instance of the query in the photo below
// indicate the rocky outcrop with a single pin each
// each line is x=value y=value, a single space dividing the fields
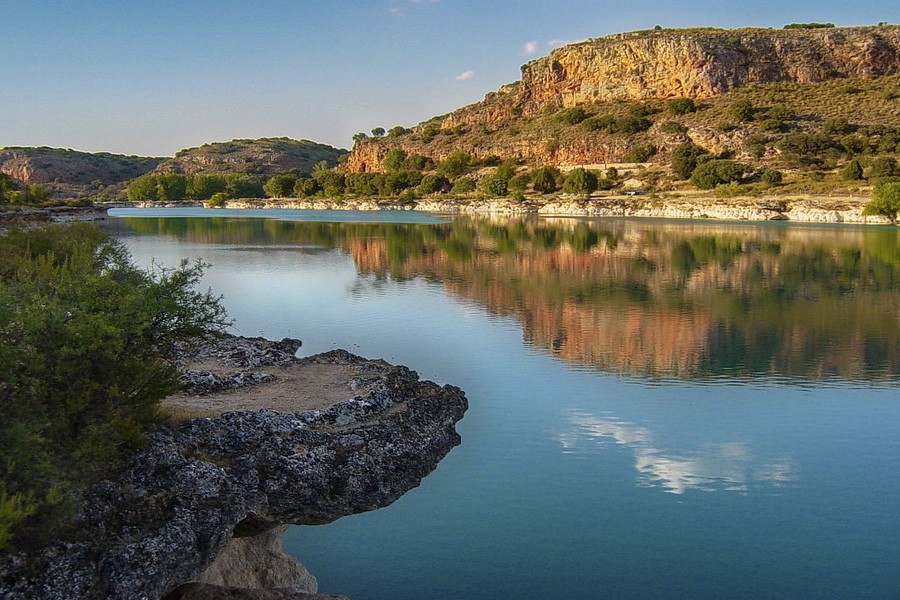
x=70 y=173
x=701 y=63
x=192 y=490
x=262 y=156
x=646 y=65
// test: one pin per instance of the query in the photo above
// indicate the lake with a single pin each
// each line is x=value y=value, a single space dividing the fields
x=658 y=409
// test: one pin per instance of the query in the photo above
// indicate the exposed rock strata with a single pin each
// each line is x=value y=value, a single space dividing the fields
x=185 y=496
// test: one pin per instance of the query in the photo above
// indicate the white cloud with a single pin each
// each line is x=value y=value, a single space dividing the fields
x=557 y=43
x=529 y=48
x=465 y=75
x=394 y=10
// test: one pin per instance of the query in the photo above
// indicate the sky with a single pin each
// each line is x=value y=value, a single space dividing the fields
x=151 y=77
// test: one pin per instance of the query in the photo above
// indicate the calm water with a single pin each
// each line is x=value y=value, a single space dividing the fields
x=657 y=409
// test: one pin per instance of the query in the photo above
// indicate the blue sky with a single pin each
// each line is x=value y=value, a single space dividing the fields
x=153 y=77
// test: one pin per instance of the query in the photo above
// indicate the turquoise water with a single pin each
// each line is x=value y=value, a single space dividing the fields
x=657 y=410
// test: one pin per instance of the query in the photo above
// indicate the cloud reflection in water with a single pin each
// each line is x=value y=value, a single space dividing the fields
x=727 y=466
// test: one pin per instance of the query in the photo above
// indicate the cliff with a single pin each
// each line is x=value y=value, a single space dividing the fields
x=606 y=75
x=262 y=156
x=203 y=502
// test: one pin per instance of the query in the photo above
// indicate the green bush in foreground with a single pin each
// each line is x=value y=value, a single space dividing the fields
x=86 y=342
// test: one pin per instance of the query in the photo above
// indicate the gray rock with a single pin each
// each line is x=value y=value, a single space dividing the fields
x=167 y=517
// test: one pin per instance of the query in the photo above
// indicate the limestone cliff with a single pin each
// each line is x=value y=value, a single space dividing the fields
x=652 y=66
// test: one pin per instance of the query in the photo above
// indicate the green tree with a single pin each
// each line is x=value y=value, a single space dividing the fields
x=580 y=181
x=359 y=137
x=639 y=153
x=572 y=116
x=545 y=180
x=495 y=187
x=243 y=186
x=506 y=170
x=455 y=165
x=36 y=193
x=280 y=186
x=142 y=189
x=717 y=172
x=398 y=131
x=7 y=187
x=87 y=348
x=463 y=185
x=394 y=160
x=612 y=173
x=171 y=187
x=305 y=187
x=853 y=171
x=884 y=166
x=204 y=187
x=885 y=201
x=519 y=183
x=378 y=132
x=685 y=159
x=433 y=184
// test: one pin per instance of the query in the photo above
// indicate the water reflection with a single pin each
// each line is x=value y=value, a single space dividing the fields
x=659 y=299
x=730 y=466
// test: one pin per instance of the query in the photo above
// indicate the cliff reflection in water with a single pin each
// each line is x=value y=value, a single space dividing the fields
x=686 y=300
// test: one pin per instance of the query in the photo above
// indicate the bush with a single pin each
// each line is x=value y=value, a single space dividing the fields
x=519 y=183
x=884 y=166
x=433 y=184
x=716 y=172
x=455 y=165
x=885 y=201
x=218 y=200
x=305 y=187
x=279 y=186
x=495 y=187
x=573 y=116
x=685 y=159
x=545 y=180
x=639 y=153
x=463 y=185
x=836 y=126
x=673 y=127
x=853 y=171
x=580 y=181
x=742 y=110
x=603 y=123
x=772 y=177
x=394 y=160
x=87 y=346
x=681 y=106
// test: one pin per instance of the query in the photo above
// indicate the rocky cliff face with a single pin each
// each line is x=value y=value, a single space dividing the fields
x=701 y=63
x=641 y=66
x=70 y=172
x=191 y=492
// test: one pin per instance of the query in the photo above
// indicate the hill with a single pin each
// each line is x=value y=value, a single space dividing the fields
x=70 y=173
x=262 y=156
x=745 y=94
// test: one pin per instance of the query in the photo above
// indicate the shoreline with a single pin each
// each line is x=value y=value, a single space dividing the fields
x=801 y=209
x=842 y=209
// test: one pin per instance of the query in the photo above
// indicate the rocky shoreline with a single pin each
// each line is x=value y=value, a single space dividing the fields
x=843 y=209
x=199 y=511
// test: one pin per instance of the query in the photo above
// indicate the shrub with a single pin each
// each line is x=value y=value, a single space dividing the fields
x=603 y=123
x=639 y=153
x=279 y=186
x=217 y=200
x=836 y=126
x=716 y=172
x=742 y=110
x=612 y=173
x=455 y=165
x=463 y=185
x=519 y=183
x=545 y=180
x=853 y=171
x=494 y=187
x=394 y=160
x=87 y=353
x=772 y=177
x=684 y=159
x=506 y=170
x=673 y=127
x=885 y=201
x=884 y=166
x=681 y=106
x=580 y=181
x=572 y=116
x=433 y=184
x=305 y=187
